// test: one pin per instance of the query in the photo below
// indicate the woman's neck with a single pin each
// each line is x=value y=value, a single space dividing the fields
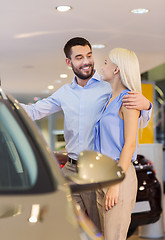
x=117 y=87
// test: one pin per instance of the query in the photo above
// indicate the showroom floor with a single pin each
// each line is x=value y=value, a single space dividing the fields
x=135 y=237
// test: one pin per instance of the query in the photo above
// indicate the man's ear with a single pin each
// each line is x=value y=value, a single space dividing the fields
x=68 y=62
x=116 y=70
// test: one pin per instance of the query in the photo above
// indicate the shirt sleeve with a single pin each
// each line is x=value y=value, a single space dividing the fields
x=44 y=107
x=146 y=114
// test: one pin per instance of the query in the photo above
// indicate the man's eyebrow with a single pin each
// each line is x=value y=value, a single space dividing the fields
x=80 y=55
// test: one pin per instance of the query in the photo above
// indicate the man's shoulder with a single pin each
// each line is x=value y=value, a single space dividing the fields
x=98 y=77
x=60 y=91
x=64 y=87
x=105 y=84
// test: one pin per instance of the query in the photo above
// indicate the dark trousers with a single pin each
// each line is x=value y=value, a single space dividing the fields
x=86 y=199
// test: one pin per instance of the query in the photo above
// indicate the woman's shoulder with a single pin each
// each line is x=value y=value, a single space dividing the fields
x=123 y=93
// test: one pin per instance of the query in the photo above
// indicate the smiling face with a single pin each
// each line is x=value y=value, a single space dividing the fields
x=81 y=61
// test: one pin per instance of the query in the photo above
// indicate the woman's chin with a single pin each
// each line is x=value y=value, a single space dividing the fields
x=104 y=78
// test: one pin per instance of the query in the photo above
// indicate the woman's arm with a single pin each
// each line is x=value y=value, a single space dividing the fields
x=131 y=118
x=136 y=100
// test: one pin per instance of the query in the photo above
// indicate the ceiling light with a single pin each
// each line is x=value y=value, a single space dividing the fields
x=63 y=8
x=139 y=11
x=98 y=46
x=63 y=75
x=50 y=87
x=32 y=34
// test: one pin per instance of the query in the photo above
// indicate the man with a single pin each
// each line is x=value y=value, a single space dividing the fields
x=82 y=102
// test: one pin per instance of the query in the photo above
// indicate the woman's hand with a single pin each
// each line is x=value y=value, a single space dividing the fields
x=111 y=197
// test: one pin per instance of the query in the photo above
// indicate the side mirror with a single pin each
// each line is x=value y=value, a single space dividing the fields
x=95 y=170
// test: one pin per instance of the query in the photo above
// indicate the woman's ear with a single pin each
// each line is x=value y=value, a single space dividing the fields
x=116 y=70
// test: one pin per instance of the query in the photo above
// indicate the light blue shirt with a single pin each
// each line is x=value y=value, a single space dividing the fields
x=82 y=107
x=109 y=130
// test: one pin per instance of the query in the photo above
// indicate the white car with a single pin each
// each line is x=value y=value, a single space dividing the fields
x=35 y=199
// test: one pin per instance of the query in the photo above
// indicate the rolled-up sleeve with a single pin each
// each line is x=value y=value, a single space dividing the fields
x=146 y=114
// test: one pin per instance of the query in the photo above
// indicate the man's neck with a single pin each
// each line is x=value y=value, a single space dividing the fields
x=83 y=82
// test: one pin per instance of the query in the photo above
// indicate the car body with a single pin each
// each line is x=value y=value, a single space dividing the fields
x=148 y=203
x=35 y=199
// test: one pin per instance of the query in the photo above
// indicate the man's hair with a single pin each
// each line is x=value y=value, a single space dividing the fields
x=75 y=42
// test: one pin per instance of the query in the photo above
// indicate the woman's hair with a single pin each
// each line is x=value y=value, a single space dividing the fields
x=128 y=65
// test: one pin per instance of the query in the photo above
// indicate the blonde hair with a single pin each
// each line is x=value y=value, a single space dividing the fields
x=128 y=65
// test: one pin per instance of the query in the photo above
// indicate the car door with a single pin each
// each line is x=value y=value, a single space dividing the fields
x=33 y=203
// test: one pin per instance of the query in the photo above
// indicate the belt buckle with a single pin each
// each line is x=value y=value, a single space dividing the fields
x=72 y=161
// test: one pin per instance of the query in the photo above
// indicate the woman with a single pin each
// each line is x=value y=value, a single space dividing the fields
x=116 y=136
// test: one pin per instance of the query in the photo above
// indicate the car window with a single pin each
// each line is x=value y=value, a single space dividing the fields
x=18 y=167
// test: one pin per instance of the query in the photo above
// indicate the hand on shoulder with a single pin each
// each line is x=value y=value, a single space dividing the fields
x=136 y=100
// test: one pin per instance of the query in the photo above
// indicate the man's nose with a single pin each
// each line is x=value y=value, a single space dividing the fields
x=86 y=60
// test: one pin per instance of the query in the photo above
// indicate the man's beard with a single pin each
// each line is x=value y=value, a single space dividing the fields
x=81 y=75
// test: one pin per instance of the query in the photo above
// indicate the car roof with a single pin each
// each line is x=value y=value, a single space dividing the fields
x=2 y=94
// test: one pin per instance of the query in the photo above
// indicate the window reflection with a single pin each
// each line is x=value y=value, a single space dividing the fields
x=18 y=169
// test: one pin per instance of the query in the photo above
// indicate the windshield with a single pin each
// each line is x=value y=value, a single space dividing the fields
x=18 y=168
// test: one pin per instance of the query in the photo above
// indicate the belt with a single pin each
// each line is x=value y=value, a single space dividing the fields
x=72 y=161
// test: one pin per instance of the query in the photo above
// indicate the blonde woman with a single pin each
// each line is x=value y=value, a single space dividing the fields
x=116 y=136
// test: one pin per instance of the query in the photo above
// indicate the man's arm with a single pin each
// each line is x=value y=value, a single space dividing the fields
x=136 y=100
x=42 y=108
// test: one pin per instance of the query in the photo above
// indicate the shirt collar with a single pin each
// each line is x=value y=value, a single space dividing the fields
x=95 y=77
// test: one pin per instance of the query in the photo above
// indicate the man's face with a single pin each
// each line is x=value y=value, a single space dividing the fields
x=81 y=61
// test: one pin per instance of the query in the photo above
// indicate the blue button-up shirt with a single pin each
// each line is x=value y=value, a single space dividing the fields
x=82 y=107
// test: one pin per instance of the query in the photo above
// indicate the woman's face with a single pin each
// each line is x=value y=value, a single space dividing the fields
x=108 y=70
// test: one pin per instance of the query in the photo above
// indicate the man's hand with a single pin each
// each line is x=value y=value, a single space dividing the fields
x=136 y=100
x=111 y=198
